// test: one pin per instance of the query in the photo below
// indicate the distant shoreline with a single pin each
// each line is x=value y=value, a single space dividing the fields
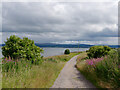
x=52 y=45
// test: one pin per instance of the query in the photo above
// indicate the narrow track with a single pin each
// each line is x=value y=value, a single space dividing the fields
x=70 y=77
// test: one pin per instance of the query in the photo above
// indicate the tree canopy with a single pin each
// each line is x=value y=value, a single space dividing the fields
x=16 y=47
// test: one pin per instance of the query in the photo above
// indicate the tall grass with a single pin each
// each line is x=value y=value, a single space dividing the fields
x=40 y=75
x=103 y=72
x=9 y=65
x=108 y=69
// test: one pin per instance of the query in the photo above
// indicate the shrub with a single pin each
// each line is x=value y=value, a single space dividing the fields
x=67 y=51
x=16 y=47
x=106 y=68
x=87 y=50
x=98 y=51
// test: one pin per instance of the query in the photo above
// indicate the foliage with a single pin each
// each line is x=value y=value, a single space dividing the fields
x=98 y=51
x=67 y=51
x=16 y=47
x=103 y=72
x=9 y=65
x=23 y=74
x=108 y=68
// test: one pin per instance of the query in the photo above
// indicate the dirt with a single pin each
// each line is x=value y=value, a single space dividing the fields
x=70 y=77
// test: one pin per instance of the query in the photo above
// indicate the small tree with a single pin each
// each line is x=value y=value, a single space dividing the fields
x=98 y=51
x=16 y=47
x=67 y=51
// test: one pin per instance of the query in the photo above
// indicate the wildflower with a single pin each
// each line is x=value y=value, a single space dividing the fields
x=105 y=56
x=6 y=59
x=118 y=66
x=17 y=59
x=9 y=58
x=94 y=61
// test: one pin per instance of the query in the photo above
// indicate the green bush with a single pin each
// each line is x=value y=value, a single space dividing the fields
x=67 y=51
x=109 y=68
x=98 y=51
x=16 y=48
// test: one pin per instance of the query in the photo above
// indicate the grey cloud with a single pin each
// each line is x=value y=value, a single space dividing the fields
x=50 y=22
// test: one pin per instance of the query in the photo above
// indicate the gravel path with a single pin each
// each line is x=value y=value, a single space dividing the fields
x=70 y=77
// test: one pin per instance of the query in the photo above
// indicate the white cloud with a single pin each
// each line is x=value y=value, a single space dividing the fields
x=60 y=1
x=61 y=22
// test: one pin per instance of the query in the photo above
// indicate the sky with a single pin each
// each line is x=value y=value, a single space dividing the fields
x=61 y=22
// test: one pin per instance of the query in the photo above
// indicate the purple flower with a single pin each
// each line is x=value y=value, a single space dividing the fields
x=93 y=61
x=5 y=59
x=9 y=58
x=118 y=66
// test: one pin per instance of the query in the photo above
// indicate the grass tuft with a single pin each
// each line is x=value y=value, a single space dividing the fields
x=103 y=72
x=38 y=76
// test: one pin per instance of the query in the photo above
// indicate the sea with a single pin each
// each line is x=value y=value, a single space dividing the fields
x=55 y=51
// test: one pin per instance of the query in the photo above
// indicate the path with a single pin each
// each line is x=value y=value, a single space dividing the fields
x=70 y=77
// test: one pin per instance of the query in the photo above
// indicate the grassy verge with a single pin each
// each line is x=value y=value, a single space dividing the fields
x=81 y=66
x=0 y=74
x=103 y=74
x=39 y=76
x=0 y=60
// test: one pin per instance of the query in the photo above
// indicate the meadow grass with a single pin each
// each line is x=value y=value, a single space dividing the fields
x=0 y=60
x=103 y=72
x=39 y=76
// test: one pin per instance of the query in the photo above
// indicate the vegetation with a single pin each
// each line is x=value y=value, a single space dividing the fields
x=18 y=48
x=98 y=51
x=67 y=51
x=23 y=74
x=23 y=67
x=103 y=72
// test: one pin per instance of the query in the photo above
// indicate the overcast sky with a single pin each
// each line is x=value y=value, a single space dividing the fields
x=55 y=22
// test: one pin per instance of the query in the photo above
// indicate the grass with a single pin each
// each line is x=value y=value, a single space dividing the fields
x=104 y=74
x=39 y=76
x=0 y=75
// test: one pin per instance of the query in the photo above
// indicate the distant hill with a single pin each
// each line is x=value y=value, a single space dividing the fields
x=63 y=45
x=2 y=44
x=67 y=45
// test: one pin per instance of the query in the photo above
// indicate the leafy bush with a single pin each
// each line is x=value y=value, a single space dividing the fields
x=67 y=51
x=98 y=51
x=16 y=48
x=106 y=68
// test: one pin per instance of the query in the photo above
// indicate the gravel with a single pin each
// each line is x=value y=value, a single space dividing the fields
x=70 y=77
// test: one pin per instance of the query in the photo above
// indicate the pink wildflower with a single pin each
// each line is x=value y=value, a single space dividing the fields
x=6 y=59
x=118 y=66
x=94 y=61
x=9 y=58
x=17 y=59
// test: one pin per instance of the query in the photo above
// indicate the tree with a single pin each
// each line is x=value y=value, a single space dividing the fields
x=16 y=47
x=98 y=51
x=67 y=51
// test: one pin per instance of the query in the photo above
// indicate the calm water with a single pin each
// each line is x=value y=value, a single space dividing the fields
x=0 y=52
x=55 y=51
x=59 y=51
